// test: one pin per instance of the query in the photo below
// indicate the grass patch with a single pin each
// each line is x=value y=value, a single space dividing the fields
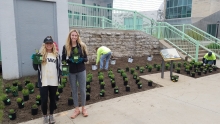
x=1 y=102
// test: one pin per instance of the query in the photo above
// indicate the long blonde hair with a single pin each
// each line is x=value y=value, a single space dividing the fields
x=68 y=45
x=43 y=52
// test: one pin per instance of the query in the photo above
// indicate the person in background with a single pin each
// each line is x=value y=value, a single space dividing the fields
x=103 y=53
x=209 y=58
x=77 y=70
x=49 y=77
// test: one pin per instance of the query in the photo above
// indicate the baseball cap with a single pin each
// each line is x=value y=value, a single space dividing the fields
x=48 y=39
x=210 y=53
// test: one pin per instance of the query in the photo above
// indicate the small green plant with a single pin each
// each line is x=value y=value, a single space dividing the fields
x=139 y=83
x=34 y=106
x=116 y=88
x=112 y=76
x=75 y=51
x=60 y=87
x=124 y=74
x=102 y=91
x=87 y=86
x=38 y=97
x=14 y=89
x=4 y=97
x=30 y=86
x=19 y=100
x=178 y=69
x=15 y=83
x=135 y=74
x=150 y=67
x=87 y=93
x=103 y=83
x=25 y=92
x=101 y=77
x=57 y=93
x=132 y=70
x=179 y=64
x=113 y=81
x=11 y=111
x=101 y=74
x=142 y=68
x=126 y=79
x=70 y=98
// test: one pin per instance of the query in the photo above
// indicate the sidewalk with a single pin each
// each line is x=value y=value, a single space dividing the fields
x=189 y=101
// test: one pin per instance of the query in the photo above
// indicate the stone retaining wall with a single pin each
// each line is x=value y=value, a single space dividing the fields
x=121 y=42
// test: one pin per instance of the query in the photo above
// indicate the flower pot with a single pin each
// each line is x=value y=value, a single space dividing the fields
x=26 y=98
x=149 y=70
x=88 y=90
x=215 y=69
x=149 y=83
x=192 y=74
x=34 y=111
x=15 y=84
x=141 y=71
x=139 y=86
x=12 y=116
x=199 y=73
x=37 y=59
x=87 y=97
x=7 y=90
x=20 y=88
x=15 y=94
x=102 y=94
x=113 y=85
x=60 y=90
x=113 y=61
x=36 y=85
x=87 y=83
x=21 y=104
x=94 y=67
x=127 y=89
x=7 y=102
x=70 y=102
x=127 y=69
x=102 y=86
x=134 y=77
x=178 y=71
x=57 y=97
x=137 y=67
x=65 y=69
x=116 y=91
x=31 y=91
x=187 y=72
x=210 y=70
x=125 y=83
x=38 y=102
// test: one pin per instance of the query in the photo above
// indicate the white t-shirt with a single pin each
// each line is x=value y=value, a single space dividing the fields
x=49 y=71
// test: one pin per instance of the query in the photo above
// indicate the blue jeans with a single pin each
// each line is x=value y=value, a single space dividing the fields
x=210 y=62
x=105 y=57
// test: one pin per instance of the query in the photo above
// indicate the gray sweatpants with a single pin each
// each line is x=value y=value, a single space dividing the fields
x=81 y=79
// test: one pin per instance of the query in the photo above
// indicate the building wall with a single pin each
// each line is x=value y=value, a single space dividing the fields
x=11 y=57
x=102 y=3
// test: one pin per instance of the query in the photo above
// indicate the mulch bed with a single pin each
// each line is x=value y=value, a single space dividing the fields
x=24 y=114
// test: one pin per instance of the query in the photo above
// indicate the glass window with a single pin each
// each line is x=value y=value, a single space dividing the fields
x=83 y=17
x=94 y=9
x=83 y=1
x=189 y=2
x=76 y=15
x=180 y=2
x=70 y=12
x=171 y=3
x=168 y=4
x=184 y=2
x=175 y=2
x=184 y=10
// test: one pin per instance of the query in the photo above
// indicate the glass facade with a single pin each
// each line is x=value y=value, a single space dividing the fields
x=213 y=29
x=178 y=8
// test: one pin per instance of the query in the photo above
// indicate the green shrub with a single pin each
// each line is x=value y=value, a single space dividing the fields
x=19 y=100
x=34 y=106
x=25 y=92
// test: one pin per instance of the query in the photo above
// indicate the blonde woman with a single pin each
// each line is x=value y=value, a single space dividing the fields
x=49 y=74
x=75 y=53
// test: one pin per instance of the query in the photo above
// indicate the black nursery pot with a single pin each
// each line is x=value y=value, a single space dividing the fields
x=127 y=69
x=127 y=89
x=20 y=88
x=88 y=90
x=215 y=69
x=87 y=83
x=150 y=84
x=149 y=70
x=116 y=91
x=125 y=83
x=87 y=97
x=26 y=98
x=113 y=85
x=187 y=72
x=199 y=73
x=70 y=102
x=57 y=97
x=102 y=94
x=38 y=102
x=15 y=84
x=36 y=85
x=21 y=105
x=193 y=75
x=102 y=86
x=137 y=81
x=12 y=116
x=100 y=81
x=34 y=111
x=26 y=82
x=178 y=71
x=60 y=90
x=139 y=86
x=7 y=102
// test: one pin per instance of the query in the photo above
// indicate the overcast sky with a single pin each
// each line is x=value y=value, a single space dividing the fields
x=138 y=5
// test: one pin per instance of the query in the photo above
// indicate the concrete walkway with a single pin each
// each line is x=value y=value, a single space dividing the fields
x=189 y=101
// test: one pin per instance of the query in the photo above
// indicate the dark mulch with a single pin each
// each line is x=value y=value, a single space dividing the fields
x=25 y=113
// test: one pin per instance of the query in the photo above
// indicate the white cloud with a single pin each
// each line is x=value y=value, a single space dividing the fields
x=138 y=5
